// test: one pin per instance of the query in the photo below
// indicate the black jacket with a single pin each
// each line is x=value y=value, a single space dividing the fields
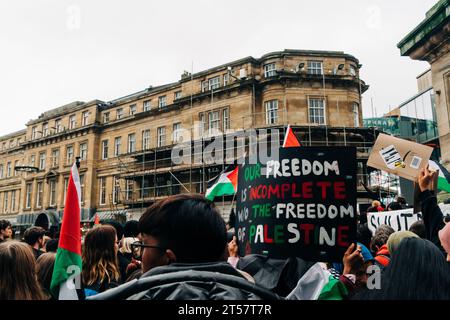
x=209 y=281
x=432 y=217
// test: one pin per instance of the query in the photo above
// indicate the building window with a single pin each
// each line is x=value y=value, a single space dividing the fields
x=5 y=201
x=58 y=126
x=269 y=70
x=176 y=132
x=69 y=154
x=102 y=191
x=83 y=151
x=82 y=187
x=226 y=119
x=271 y=111
x=42 y=161
x=315 y=67
x=226 y=78
x=40 y=193
x=55 y=158
x=133 y=109
x=161 y=136
x=1 y=171
x=316 y=111
x=116 y=190
x=162 y=102
x=146 y=139
x=119 y=113
x=66 y=185
x=16 y=164
x=131 y=143
x=147 y=105
x=117 y=145
x=129 y=189
x=213 y=122
x=85 y=118
x=13 y=200
x=53 y=186
x=8 y=169
x=33 y=160
x=72 y=122
x=28 y=195
x=105 y=149
x=356 y=114
x=19 y=140
x=33 y=133
x=178 y=95
x=352 y=71
x=202 y=125
x=214 y=83
x=45 y=129
x=106 y=117
x=204 y=86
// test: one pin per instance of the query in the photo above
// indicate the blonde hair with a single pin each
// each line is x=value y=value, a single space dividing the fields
x=18 y=278
x=376 y=203
x=126 y=245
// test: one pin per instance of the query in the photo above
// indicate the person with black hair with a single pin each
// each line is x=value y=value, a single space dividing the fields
x=417 y=271
x=51 y=245
x=418 y=228
x=131 y=229
x=363 y=234
x=34 y=236
x=5 y=230
x=183 y=253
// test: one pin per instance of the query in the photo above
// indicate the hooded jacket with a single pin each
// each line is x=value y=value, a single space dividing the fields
x=207 y=281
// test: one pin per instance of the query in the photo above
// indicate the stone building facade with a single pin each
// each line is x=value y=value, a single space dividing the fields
x=125 y=144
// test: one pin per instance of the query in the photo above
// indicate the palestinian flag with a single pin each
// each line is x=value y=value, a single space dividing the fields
x=444 y=175
x=67 y=270
x=318 y=284
x=290 y=140
x=224 y=184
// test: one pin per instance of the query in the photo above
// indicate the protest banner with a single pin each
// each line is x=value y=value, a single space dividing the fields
x=302 y=204
x=399 y=220
x=398 y=156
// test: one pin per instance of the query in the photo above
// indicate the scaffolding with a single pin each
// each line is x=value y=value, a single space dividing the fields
x=154 y=175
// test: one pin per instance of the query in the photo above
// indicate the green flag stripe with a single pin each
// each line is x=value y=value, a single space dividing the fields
x=221 y=189
x=443 y=184
x=64 y=260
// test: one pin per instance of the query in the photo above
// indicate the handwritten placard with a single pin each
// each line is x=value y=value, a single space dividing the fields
x=302 y=204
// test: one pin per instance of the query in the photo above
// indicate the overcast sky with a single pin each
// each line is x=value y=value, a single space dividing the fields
x=54 y=52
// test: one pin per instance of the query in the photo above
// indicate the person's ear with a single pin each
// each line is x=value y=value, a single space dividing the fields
x=171 y=257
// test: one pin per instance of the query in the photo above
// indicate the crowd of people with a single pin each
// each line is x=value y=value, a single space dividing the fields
x=181 y=248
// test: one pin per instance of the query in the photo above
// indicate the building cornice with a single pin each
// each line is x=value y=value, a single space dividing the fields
x=436 y=17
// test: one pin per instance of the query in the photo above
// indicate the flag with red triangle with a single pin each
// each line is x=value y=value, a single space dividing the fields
x=67 y=268
x=290 y=140
x=223 y=184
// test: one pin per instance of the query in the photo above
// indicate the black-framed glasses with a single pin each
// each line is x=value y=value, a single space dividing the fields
x=137 y=246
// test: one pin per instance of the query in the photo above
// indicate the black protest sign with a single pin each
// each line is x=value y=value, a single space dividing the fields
x=303 y=204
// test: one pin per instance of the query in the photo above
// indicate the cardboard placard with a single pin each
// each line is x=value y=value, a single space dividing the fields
x=398 y=156
x=399 y=220
x=302 y=205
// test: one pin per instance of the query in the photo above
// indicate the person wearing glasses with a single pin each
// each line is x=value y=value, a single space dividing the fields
x=183 y=252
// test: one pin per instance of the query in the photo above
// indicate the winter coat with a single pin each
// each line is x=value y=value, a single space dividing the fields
x=206 y=281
